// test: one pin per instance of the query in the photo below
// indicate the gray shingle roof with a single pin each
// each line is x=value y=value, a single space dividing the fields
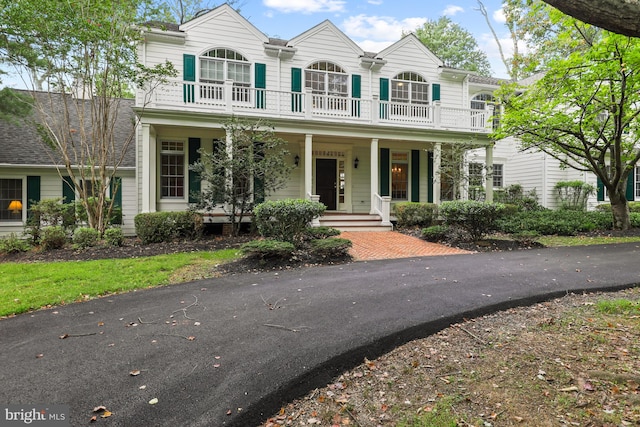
x=20 y=144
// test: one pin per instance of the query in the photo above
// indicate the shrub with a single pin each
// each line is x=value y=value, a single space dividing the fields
x=634 y=218
x=85 y=237
x=286 y=220
x=331 y=248
x=268 y=248
x=155 y=227
x=526 y=237
x=634 y=207
x=477 y=218
x=322 y=232
x=12 y=244
x=410 y=214
x=49 y=212
x=113 y=219
x=435 y=233
x=53 y=237
x=573 y=195
x=560 y=222
x=114 y=236
x=515 y=195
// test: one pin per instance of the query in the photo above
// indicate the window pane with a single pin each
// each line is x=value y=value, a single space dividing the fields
x=172 y=169
x=497 y=175
x=11 y=203
x=399 y=181
x=399 y=91
x=475 y=174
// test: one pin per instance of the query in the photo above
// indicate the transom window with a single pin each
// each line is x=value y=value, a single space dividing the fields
x=410 y=88
x=399 y=175
x=11 y=200
x=219 y=65
x=172 y=170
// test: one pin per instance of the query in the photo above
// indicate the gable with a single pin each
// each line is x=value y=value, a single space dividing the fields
x=412 y=46
x=325 y=32
x=226 y=17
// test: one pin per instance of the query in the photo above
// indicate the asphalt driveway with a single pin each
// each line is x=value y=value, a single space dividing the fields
x=231 y=351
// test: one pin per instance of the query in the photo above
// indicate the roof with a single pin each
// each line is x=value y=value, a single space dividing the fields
x=22 y=144
x=166 y=26
x=474 y=78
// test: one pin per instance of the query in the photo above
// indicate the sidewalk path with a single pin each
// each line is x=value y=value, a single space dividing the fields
x=231 y=351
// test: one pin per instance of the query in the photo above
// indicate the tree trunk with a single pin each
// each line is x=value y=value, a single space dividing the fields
x=618 y=16
x=619 y=210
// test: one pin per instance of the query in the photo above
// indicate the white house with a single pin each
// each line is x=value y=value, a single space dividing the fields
x=365 y=130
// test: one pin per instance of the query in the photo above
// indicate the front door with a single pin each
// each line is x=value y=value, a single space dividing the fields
x=326 y=182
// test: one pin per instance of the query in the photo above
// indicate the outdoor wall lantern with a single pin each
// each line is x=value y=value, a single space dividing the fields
x=355 y=163
x=296 y=160
x=15 y=206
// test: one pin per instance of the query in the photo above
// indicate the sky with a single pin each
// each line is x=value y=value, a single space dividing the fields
x=375 y=24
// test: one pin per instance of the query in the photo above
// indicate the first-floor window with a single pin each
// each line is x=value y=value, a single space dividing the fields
x=399 y=176
x=10 y=199
x=172 y=169
x=498 y=176
x=475 y=175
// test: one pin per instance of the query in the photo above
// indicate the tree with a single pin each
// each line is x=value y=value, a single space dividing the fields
x=87 y=53
x=248 y=167
x=176 y=11
x=584 y=111
x=13 y=105
x=618 y=16
x=454 y=45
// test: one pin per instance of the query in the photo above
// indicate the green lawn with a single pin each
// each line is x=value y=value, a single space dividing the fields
x=27 y=286
x=554 y=241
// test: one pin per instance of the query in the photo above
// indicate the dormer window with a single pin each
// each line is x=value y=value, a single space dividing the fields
x=409 y=88
x=220 y=65
x=327 y=78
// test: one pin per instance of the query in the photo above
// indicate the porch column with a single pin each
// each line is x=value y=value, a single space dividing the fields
x=488 y=191
x=375 y=175
x=148 y=169
x=437 y=160
x=308 y=165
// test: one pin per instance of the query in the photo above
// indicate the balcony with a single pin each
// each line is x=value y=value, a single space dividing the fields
x=232 y=99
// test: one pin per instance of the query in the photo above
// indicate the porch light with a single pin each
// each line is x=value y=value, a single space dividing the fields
x=15 y=206
x=296 y=160
x=355 y=163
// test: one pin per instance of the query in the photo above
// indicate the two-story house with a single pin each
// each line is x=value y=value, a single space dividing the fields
x=364 y=130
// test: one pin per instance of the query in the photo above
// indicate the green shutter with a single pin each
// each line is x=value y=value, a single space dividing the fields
x=356 y=83
x=384 y=98
x=430 y=177
x=115 y=187
x=189 y=75
x=296 y=87
x=261 y=83
x=68 y=190
x=630 y=186
x=415 y=175
x=435 y=92
x=194 y=177
x=385 y=171
x=33 y=191
x=600 y=187
x=258 y=183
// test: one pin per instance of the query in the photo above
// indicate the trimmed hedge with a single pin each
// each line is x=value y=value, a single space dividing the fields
x=410 y=214
x=53 y=237
x=322 y=232
x=331 y=248
x=268 y=248
x=477 y=218
x=286 y=220
x=155 y=227
x=85 y=237
x=114 y=236
x=435 y=233
x=560 y=222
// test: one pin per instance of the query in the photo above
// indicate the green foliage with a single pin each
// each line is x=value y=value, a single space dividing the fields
x=634 y=207
x=526 y=237
x=618 y=306
x=634 y=219
x=435 y=233
x=53 y=237
x=85 y=237
x=49 y=212
x=515 y=195
x=242 y=172
x=454 y=45
x=573 y=195
x=113 y=218
x=114 y=236
x=561 y=222
x=14 y=105
x=477 y=218
x=157 y=227
x=268 y=249
x=321 y=232
x=286 y=220
x=410 y=214
x=331 y=248
x=13 y=244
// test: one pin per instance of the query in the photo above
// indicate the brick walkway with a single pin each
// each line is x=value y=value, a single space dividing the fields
x=370 y=245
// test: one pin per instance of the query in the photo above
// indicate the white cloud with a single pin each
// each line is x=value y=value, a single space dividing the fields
x=451 y=10
x=375 y=46
x=375 y=2
x=306 y=6
x=379 y=28
x=499 y=16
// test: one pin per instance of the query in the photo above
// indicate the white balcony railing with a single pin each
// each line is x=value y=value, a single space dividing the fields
x=233 y=99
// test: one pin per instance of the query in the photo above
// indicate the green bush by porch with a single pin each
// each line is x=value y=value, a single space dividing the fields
x=411 y=214
x=286 y=220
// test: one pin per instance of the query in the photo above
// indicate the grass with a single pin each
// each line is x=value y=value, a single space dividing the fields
x=29 y=286
x=555 y=241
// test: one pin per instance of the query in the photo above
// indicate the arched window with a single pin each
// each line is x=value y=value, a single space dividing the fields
x=219 y=65
x=480 y=102
x=326 y=78
x=410 y=88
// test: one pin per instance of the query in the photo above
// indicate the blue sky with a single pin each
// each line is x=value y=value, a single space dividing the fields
x=375 y=24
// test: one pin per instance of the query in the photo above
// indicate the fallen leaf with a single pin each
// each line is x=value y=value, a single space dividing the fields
x=518 y=419
x=568 y=389
x=191 y=338
x=229 y=412
x=153 y=401
x=134 y=373
x=106 y=414
x=217 y=365
x=93 y=419
x=100 y=323
x=39 y=356
x=142 y=387
x=63 y=336
x=99 y=408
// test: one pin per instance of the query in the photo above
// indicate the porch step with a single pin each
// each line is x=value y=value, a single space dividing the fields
x=354 y=222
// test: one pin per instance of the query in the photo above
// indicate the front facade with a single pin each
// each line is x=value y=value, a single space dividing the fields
x=364 y=130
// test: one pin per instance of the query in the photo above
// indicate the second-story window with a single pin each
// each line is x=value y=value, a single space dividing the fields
x=219 y=65
x=409 y=88
x=480 y=102
x=328 y=83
